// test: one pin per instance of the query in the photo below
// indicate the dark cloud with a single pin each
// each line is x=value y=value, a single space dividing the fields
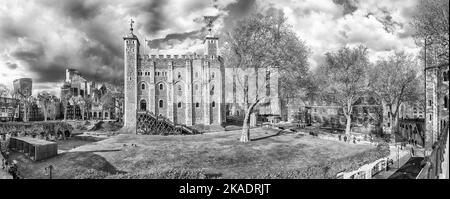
x=32 y=53
x=349 y=6
x=78 y=9
x=237 y=11
x=152 y=13
x=9 y=29
x=11 y=65
x=166 y=42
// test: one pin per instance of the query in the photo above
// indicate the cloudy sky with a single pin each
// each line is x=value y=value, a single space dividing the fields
x=41 y=38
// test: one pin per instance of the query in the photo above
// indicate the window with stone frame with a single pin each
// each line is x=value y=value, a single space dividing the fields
x=212 y=90
x=179 y=104
x=179 y=75
x=446 y=102
x=197 y=105
x=161 y=86
x=180 y=90
x=267 y=83
x=143 y=86
x=161 y=104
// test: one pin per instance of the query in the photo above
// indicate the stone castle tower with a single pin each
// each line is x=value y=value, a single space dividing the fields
x=190 y=89
x=131 y=52
x=436 y=96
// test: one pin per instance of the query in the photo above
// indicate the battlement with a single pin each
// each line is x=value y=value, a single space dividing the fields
x=177 y=57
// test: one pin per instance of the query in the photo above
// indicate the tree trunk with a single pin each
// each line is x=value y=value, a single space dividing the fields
x=65 y=112
x=348 y=124
x=348 y=114
x=45 y=113
x=245 y=136
x=74 y=108
x=391 y=119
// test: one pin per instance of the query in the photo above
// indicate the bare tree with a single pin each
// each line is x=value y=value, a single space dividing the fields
x=65 y=101
x=394 y=81
x=44 y=100
x=82 y=103
x=344 y=78
x=431 y=26
x=4 y=91
x=113 y=100
x=262 y=41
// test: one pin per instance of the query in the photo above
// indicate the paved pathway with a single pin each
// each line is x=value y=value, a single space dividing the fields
x=404 y=155
x=3 y=173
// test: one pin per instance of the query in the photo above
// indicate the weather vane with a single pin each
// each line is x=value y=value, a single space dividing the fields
x=131 y=25
x=209 y=20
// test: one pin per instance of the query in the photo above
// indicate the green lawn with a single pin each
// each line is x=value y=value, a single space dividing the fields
x=216 y=153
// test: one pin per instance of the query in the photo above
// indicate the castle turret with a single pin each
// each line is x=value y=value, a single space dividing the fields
x=211 y=41
x=131 y=52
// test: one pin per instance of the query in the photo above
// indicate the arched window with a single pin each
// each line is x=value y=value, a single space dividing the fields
x=161 y=86
x=106 y=114
x=197 y=105
x=445 y=101
x=143 y=86
x=179 y=75
x=161 y=104
x=143 y=105
x=180 y=90
x=213 y=74
x=179 y=104
x=213 y=104
x=212 y=90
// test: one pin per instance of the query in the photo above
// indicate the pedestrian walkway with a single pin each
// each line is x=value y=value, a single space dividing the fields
x=3 y=173
x=404 y=155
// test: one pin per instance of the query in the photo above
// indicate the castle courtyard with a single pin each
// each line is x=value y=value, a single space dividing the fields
x=219 y=154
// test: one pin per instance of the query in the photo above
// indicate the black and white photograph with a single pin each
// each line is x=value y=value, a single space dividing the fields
x=224 y=90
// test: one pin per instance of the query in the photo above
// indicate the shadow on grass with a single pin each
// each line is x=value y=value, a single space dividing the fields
x=266 y=137
x=67 y=165
x=97 y=151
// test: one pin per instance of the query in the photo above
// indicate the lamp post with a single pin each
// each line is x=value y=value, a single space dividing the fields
x=398 y=157
x=48 y=171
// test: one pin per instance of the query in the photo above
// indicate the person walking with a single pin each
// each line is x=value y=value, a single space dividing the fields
x=345 y=138
x=412 y=151
x=340 y=138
